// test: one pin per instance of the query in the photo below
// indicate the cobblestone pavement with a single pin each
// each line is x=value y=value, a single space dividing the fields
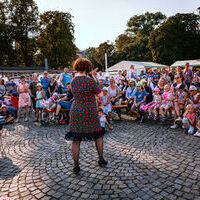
x=145 y=162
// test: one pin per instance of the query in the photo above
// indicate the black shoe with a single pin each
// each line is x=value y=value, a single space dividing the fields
x=76 y=170
x=102 y=163
x=185 y=131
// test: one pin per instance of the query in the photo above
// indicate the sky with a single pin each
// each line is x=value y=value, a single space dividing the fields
x=97 y=21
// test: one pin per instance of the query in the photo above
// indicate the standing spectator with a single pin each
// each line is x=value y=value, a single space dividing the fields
x=101 y=83
x=172 y=74
x=2 y=90
x=64 y=78
x=132 y=72
x=33 y=90
x=9 y=85
x=188 y=75
x=24 y=98
x=155 y=77
x=100 y=75
x=143 y=74
x=45 y=84
x=119 y=77
x=166 y=77
x=39 y=101
x=53 y=86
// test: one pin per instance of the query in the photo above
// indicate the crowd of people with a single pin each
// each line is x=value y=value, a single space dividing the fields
x=156 y=94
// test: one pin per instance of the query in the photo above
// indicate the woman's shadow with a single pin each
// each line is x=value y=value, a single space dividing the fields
x=8 y=169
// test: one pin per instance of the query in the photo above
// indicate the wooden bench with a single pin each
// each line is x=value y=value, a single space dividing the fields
x=116 y=108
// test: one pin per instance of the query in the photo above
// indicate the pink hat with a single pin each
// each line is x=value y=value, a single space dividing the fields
x=156 y=89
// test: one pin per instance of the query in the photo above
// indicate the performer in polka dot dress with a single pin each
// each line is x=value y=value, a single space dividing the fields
x=84 y=122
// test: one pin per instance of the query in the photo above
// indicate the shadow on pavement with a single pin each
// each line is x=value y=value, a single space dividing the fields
x=8 y=169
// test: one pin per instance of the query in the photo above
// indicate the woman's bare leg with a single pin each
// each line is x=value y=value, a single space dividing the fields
x=27 y=112
x=19 y=113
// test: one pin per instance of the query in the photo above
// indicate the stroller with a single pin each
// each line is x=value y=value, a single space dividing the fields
x=48 y=117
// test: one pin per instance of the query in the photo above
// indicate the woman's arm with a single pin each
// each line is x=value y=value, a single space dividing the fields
x=144 y=99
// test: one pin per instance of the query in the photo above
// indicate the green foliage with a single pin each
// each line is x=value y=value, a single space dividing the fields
x=97 y=55
x=56 y=41
x=176 y=39
x=6 y=51
x=23 y=18
x=144 y=24
x=132 y=45
x=27 y=37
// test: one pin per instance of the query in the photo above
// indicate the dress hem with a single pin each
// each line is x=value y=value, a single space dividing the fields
x=74 y=136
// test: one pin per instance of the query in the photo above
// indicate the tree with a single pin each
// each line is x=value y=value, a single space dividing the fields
x=56 y=41
x=100 y=54
x=90 y=52
x=6 y=41
x=176 y=39
x=144 y=24
x=132 y=45
x=23 y=18
x=123 y=41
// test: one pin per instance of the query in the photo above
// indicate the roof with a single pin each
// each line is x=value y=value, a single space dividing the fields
x=125 y=65
x=194 y=63
x=15 y=68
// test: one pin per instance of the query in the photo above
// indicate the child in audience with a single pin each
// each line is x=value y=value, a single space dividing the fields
x=103 y=120
x=52 y=102
x=39 y=101
x=179 y=103
x=155 y=104
x=189 y=119
x=105 y=103
x=198 y=129
x=167 y=101
x=194 y=97
x=4 y=112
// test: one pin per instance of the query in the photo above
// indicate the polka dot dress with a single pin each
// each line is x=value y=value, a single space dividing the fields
x=84 y=121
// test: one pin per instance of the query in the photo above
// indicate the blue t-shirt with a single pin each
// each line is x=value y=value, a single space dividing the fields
x=66 y=78
x=45 y=83
x=140 y=95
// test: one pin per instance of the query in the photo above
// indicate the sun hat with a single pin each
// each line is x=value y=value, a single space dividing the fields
x=132 y=80
x=139 y=84
x=192 y=88
x=39 y=85
x=156 y=89
x=55 y=94
x=3 y=106
x=105 y=89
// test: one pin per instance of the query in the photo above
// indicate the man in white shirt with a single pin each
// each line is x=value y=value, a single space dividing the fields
x=100 y=75
x=132 y=72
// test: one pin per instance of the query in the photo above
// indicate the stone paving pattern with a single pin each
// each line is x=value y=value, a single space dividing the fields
x=146 y=161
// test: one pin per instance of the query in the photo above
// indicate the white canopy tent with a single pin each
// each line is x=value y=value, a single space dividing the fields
x=193 y=63
x=139 y=66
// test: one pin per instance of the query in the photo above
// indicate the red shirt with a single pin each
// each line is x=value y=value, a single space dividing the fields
x=14 y=101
